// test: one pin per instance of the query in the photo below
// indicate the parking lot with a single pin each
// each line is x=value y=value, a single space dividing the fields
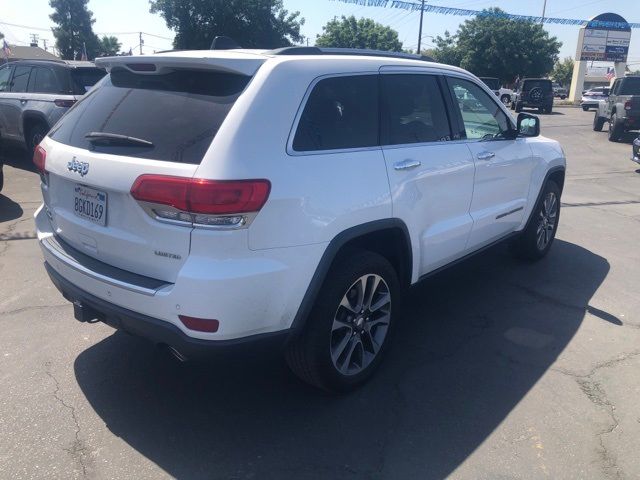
x=500 y=369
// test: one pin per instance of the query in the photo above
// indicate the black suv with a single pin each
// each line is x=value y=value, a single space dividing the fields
x=534 y=93
x=34 y=94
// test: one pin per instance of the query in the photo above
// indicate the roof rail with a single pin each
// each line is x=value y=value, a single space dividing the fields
x=54 y=60
x=347 y=51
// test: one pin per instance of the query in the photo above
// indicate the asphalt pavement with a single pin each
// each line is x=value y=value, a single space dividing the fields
x=499 y=369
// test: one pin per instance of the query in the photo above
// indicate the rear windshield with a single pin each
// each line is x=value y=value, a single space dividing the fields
x=85 y=78
x=178 y=112
x=492 y=83
x=630 y=86
x=531 y=84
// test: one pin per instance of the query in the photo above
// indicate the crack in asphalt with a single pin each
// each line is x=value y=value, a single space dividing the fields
x=10 y=229
x=77 y=449
x=598 y=396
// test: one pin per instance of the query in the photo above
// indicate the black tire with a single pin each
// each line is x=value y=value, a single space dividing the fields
x=615 y=129
x=518 y=107
x=505 y=99
x=548 y=110
x=527 y=246
x=598 y=122
x=1 y=178
x=562 y=97
x=34 y=136
x=309 y=354
x=585 y=108
x=540 y=110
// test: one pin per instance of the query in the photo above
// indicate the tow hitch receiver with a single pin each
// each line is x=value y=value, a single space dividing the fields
x=83 y=313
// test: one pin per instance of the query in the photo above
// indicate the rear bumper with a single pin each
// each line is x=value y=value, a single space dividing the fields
x=257 y=293
x=88 y=308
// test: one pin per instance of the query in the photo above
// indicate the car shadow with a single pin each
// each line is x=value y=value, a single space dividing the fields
x=472 y=342
x=17 y=157
x=9 y=210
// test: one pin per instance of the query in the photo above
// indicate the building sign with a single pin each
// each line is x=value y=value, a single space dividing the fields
x=607 y=44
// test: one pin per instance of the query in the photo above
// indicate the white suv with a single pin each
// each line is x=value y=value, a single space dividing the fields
x=217 y=198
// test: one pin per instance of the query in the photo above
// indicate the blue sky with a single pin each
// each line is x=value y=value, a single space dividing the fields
x=120 y=16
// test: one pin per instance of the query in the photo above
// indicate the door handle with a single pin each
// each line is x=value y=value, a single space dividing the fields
x=485 y=155
x=407 y=164
x=23 y=101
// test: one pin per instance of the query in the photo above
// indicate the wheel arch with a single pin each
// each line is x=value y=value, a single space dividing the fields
x=29 y=119
x=555 y=174
x=387 y=237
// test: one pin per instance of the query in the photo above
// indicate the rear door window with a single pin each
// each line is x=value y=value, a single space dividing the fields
x=340 y=113
x=178 y=112
x=20 y=79
x=413 y=110
x=43 y=80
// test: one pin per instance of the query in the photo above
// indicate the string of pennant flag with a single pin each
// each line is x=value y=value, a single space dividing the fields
x=487 y=13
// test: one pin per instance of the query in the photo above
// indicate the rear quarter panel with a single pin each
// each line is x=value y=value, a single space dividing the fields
x=313 y=196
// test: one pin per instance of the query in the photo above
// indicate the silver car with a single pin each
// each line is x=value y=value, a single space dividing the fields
x=591 y=97
x=34 y=94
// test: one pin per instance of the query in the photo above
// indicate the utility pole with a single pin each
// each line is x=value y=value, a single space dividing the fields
x=420 y=29
x=544 y=9
x=141 y=43
x=34 y=39
x=44 y=40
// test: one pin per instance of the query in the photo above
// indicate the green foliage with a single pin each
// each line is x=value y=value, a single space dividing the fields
x=490 y=46
x=363 y=33
x=563 y=71
x=251 y=23
x=109 y=46
x=74 y=29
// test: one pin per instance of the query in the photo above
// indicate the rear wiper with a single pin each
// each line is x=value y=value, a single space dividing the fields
x=117 y=139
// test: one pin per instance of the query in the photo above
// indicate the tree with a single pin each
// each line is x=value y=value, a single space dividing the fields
x=493 y=46
x=251 y=23
x=363 y=33
x=109 y=46
x=563 y=71
x=74 y=30
x=446 y=50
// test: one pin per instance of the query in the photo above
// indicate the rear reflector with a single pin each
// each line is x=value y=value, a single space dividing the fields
x=199 y=196
x=40 y=158
x=200 y=324
x=627 y=105
x=64 y=103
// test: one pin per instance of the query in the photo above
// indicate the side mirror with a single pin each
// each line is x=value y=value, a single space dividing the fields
x=528 y=125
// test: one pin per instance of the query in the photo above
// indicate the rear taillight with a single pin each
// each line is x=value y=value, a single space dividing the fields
x=40 y=158
x=64 y=103
x=627 y=105
x=214 y=203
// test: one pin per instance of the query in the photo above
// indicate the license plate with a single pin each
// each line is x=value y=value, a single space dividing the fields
x=90 y=204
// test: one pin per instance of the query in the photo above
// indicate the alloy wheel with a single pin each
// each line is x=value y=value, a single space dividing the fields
x=547 y=220
x=360 y=324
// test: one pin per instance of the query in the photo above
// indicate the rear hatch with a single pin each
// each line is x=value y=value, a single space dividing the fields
x=148 y=117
